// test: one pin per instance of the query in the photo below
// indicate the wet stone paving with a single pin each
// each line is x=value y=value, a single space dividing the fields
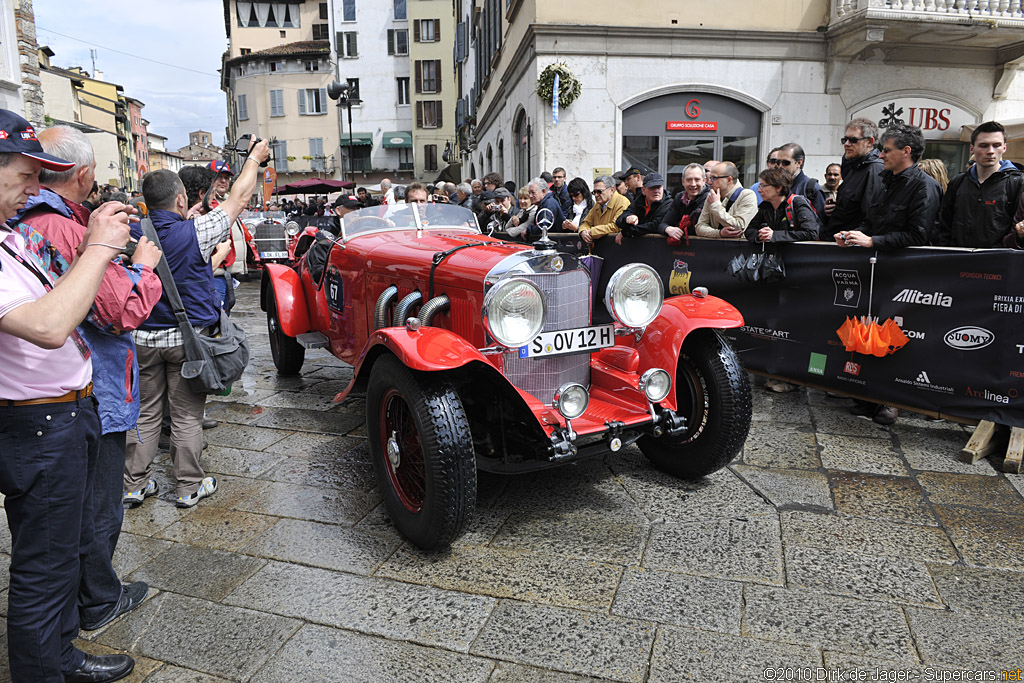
x=831 y=547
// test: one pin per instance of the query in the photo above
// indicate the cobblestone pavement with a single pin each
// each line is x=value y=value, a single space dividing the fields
x=831 y=543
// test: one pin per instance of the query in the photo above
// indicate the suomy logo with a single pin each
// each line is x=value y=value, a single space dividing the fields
x=916 y=296
x=969 y=338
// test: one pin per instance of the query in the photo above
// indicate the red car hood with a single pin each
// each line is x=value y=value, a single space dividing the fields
x=402 y=254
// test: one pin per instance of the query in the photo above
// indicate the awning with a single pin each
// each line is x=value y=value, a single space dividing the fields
x=357 y=139
x=396 y=138
x=1014 y=130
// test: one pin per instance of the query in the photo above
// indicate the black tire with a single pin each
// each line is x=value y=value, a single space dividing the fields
x=430 y=493
x=713 y=394
x=288 y=354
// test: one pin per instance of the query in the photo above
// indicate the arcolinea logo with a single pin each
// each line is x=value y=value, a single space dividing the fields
x=969 y=338
x=916 y=296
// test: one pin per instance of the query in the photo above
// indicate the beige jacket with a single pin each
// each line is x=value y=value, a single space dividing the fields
x=714 y=217
x=601 y=222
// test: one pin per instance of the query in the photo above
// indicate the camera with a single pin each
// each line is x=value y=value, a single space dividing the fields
x=244 y=145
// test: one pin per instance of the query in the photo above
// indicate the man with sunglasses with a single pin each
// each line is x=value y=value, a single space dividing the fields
x=608 y=206
x=728 y=207
x=790 y=157
x=862 y=180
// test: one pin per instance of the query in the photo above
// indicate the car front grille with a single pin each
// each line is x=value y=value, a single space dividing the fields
x=568 y=297
x=270 y=237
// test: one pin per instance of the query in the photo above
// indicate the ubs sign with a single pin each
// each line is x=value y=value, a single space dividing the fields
x=937 y=120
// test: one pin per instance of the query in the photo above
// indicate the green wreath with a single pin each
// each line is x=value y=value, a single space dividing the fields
x=568 y=86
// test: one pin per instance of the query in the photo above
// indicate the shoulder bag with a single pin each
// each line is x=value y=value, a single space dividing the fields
x=215 y=360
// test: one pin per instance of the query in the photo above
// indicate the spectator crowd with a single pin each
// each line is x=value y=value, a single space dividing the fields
x=93 y=376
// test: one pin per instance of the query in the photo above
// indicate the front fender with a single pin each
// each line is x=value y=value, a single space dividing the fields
x=284 y=284
x=662 y=340
x=428 y=349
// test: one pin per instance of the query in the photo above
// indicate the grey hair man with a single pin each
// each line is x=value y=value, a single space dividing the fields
x=608 y=206
x=388 y=190
x=542 y=197
x=728 y=207
x=463 y=194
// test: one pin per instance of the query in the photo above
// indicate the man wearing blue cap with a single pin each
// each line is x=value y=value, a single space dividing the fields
x=49 y=427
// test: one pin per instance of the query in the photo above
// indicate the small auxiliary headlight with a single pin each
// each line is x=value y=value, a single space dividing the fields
x=571 y=400
x=655 y=383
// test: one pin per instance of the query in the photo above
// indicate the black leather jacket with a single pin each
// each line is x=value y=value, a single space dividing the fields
x=905 y=213
x=862 y=183
x=979 y=216
x=680 y=207
x=650 y=217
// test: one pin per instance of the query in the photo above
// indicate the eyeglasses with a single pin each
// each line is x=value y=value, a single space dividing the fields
x=889 y=150
x=849 y=139
x=780 y=162
x=718 y=177
x=598 y=193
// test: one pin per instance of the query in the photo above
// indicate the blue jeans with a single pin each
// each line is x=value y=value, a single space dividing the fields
x=47 y=463
x=100 y=589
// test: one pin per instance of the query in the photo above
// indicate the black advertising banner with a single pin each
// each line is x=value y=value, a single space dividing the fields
x=962 y=312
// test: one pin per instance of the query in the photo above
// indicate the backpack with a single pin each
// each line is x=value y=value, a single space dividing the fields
x=789 y=208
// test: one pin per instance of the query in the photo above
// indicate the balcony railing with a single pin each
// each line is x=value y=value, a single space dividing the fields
x=953 y=11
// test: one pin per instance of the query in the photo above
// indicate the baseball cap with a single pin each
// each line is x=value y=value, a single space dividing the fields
x=632 y=170
x=501 y=193
x=17 y=136
x=221 y=167
x=653 y=180
x=347 y=201
x=619 y=176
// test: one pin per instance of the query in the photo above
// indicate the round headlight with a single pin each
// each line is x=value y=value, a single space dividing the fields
x=571 y=400
x=655 y=383
x=513 y=312
x=292 y=228
x=634 y=295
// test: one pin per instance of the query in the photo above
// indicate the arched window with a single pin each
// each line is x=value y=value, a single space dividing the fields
x=521 y=145
x=490 y=160
x=501 y=158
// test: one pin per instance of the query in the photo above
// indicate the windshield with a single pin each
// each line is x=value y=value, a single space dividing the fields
x=260 y=216
x=408 y=217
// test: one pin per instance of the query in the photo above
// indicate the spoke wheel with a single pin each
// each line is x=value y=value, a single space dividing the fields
x=288 y=354
x=422 y=452
x=713 y=394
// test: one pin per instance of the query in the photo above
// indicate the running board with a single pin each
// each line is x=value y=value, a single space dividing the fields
x=313 y=340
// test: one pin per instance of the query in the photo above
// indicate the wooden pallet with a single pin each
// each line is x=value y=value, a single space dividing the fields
x=989 y=438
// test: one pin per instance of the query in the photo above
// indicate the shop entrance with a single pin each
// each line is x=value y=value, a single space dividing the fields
x=667 y=133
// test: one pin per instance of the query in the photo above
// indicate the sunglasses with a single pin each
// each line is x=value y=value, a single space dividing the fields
x=780 y=162
x=847 y=139
x=718 y=177
x=598 y=193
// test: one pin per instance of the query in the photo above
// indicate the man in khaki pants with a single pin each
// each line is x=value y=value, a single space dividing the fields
x=187 y=246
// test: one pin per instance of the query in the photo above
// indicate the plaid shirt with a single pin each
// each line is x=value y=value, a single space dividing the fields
x=211 y=229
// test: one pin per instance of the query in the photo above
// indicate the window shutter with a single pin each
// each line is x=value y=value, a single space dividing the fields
x=302 y=102
x=323 y=101
x=419 y=114
x=419 y=76
x=437 y=29
x=460 y=42
x=355 y=44
x=416 y=31
x=437 y=76
x=391 y=41
x=438 y=109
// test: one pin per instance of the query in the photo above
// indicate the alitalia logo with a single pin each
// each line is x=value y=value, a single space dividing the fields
x=916 y=296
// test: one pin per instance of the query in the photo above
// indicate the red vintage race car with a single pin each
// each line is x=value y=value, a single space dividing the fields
x=478 y=353
x=271 y=238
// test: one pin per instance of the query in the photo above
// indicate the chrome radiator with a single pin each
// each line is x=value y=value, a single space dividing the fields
x=270 y=237
x=568 y=299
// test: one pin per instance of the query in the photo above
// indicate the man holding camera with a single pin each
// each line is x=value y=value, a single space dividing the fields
x=126 y=297
x=187 y=246
x=49 y=427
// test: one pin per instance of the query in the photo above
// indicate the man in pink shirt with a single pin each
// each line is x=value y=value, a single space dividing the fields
x=125 y=299
x=49 y=427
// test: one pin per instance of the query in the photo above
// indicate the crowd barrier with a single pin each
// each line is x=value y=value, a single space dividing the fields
x=962 y=310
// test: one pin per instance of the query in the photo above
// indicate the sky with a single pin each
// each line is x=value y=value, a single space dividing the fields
x=187 y=36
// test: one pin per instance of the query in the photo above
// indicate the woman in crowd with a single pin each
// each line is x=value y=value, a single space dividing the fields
x=582 y=202
x=936 y=169
x=782 y=216
x=520 y=221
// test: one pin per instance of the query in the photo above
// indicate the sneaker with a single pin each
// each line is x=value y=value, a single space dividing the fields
x=779 y=386
x=133 y=499
x=886 y=415
x=206 y=488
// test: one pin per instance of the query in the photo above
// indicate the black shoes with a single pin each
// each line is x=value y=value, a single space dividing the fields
x=209 y=423
x=101 y=668
x=132 y=596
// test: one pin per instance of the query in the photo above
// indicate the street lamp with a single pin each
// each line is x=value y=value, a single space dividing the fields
x=347 y=96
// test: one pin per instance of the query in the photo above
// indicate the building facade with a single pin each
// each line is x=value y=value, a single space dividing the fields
x=160 y=157
x=140 y=140
x=200 y=150
x=10 y=73
x=661 y=86
x=433 y=93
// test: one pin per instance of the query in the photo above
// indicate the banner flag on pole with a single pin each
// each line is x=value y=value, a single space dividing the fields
x=554 y=101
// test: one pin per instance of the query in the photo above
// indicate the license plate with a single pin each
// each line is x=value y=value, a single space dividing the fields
x=560 y=342
x=275 y=254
